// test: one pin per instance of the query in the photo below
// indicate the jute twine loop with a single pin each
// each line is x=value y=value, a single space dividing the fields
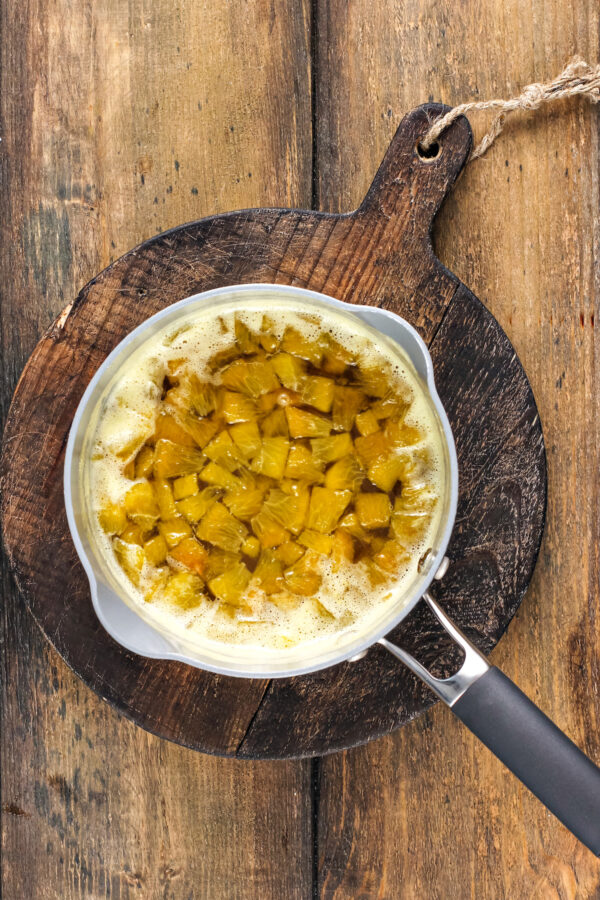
x=578 y=78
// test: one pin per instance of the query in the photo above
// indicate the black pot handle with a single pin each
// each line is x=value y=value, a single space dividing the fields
x=519 y=734
x=538 y=753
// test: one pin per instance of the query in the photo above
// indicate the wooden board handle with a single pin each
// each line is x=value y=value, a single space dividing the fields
x=409 y=184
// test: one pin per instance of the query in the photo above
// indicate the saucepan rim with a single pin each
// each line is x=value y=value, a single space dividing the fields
x=139 y=634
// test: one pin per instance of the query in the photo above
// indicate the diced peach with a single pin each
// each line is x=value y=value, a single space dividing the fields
x=322 y=611
x=174 y=531
x=219 y=561
x=410 y=527
x=412 y=512
x=269 y=573
x=347 y=402
x=275 y=424
x=303 y=577
x=372 y=447
x=157 y=583
x=191 y=554
x=292 y=486
x=129 y=470
x=230 y=587
x=202 y=399
x=251 y=377
x=245 y=339
x=193 y=396
x=326 y=508
x=131 y=446
x=133 y=534
x=376 y=575
x=220 y=528
x=131 y=558
x=373 y=510
x=246 y=437
x=172 y=460
x=267 y=402
x=302 y=423
x=344 y=475
x=318 y=392
x=342 y=548
x=392 y=405
x=244 y=504
x=268 y=530
x=229 y=476
x=185 y=590
x=223 y=451
x=333 y=365
x=297 y=344
x=168 y=429
x=251 y=481
x=112 y=518
x=366 y=423
x=386 y=471
x=417 y=497
x=140 y=505
x=238 y=408
x=156 y=550
x=330 y=448
x=144 y=462
x=288 y=509
x=272 y=457
x=288 y=552
x=195 y=507
x=267 y=338
x=200 y=431
x=392 y=557
x=302 y=465
x=400 y=434
x=164 y=498
x=350 y=524
x=337 y=357
x=220 y=477
x=285 y=397
x=186 y=486
x=221 y=358
x=314 y=540
x=290 y=370
x=375 y=380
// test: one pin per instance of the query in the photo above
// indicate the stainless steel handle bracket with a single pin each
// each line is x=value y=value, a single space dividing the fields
x=447 y=689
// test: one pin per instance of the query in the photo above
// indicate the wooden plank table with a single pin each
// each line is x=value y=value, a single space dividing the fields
x=119 y=120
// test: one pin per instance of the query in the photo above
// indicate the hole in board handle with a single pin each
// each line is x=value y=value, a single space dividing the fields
x=428 y=154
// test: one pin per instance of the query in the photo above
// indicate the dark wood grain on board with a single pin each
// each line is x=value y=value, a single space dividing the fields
x=380 y=254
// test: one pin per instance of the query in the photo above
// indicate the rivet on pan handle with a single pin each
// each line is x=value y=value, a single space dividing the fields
x=518 y=733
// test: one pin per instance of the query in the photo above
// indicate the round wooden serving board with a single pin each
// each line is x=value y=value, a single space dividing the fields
x=381 y=254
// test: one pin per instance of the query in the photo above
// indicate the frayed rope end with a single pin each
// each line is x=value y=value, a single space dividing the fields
x=578 y=78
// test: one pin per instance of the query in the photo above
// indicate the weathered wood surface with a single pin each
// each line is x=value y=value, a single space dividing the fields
x=230 y=829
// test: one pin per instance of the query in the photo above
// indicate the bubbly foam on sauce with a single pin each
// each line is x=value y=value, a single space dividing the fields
x=125 y=417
